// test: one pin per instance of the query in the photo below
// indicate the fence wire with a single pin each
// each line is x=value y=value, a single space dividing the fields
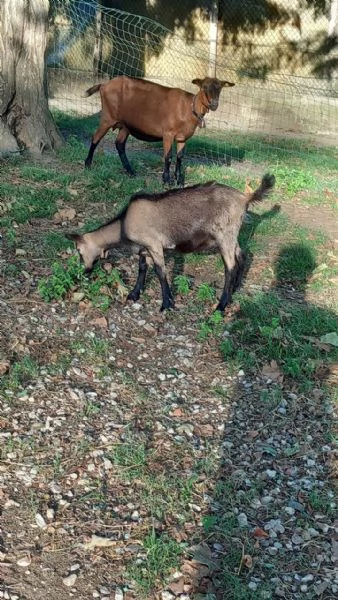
x=280 y=55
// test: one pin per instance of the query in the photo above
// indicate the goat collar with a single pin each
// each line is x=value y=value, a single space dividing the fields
x=199 y=116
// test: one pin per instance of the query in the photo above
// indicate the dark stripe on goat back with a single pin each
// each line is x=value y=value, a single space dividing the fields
x=175 y=192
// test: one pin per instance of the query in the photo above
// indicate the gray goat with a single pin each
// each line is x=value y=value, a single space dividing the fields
x=191 y=219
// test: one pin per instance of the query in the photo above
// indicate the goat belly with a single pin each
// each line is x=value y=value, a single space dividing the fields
x=139 y=135
x=194 y=245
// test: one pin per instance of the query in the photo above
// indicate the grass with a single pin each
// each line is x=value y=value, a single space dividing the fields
x=272 y=319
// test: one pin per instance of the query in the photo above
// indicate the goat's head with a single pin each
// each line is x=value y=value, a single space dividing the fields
x=211 y=89
x=88 y=250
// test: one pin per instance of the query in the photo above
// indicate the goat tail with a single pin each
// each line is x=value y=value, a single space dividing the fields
x=266 y=185
x=93 y=89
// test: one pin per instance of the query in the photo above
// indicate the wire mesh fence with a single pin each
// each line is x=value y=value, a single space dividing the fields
x=280 y=55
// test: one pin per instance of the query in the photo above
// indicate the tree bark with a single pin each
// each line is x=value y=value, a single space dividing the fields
x=25 y=120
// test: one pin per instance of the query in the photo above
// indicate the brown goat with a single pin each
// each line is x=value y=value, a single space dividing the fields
x=153 y=112
x=188 y=220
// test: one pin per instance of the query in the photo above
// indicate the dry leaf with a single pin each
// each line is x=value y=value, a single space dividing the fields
x=272 y=371
x=98 y=541
x=4 y=367
x=258 y=532
x=247 y=561
x=177 y=587
x=66 y=214
x=248 y=189
x=100 y=322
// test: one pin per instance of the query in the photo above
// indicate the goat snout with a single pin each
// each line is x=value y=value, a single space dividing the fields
x=213 y=104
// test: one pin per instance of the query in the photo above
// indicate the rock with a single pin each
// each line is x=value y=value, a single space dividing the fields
x=118 y=594
x=167 y=596
x=25 y=561
x=40 y=521
x=307 y=578
x=242 y=520
x=252 y=586
x=297 y=539
x=70 y=580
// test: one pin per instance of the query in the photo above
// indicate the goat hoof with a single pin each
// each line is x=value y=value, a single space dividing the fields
x=133 y=296
x=170 y=305
x=87 y=165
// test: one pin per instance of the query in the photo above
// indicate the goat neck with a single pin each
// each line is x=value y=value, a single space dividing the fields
x=199 y=109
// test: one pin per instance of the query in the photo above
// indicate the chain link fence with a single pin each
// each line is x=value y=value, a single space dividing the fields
x=280 y=54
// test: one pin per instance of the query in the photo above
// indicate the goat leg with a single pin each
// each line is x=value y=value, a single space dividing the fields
x=120 y=144
x=142 y=272
x=167 y=147
x=179 y=172
x=167 y=297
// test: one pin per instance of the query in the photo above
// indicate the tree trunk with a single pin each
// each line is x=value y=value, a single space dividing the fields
x=25 y=120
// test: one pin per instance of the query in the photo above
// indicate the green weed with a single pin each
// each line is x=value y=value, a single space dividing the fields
x=182 y=285
x=99 y=287
x=163 y=554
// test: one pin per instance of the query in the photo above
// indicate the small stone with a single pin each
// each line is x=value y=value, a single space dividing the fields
x=96 y=594
x=167 y=596
x=104 y=590
x=320 y=587
x=303 y=587
x=255 y=503
x=241 y=373
x=297 y=539
x=75 y=567
x=25 y=561
x=252 y=586
x=267 y=499
x=307 y=578
x=91 y=467
x=118 y=594
x=40 y=521
x=70 y=580
x=161 y=376
x=242 y=520
x=313 y=532
x=271 y=474
x=135 y=515
x=50 y=514
x=289 y=510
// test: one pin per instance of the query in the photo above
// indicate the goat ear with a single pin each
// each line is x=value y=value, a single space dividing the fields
x=198 y=82
x=226 y=83
x=74 y=237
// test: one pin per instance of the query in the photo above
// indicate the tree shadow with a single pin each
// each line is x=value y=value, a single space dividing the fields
x=271 y=497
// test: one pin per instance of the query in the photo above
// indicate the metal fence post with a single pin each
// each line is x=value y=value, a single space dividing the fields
x=213 y=29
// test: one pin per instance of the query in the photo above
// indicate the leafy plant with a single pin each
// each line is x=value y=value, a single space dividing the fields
x=181 y=283
x=62 y=279
x=99 y=287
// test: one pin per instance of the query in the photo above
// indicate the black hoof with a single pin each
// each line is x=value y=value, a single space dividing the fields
x=133 y=296
x=170 y=305
x=87 y=165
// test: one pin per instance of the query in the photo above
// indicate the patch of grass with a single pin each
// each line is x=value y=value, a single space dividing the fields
x=54 y=243
x=41 y=174
x=212 y=325
x=268 y=329
x=129 y=458
x=163 y=555
x=296 y=262
x=206 y=293
x=21 y=374
x=24 y=203
x=182 y=285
